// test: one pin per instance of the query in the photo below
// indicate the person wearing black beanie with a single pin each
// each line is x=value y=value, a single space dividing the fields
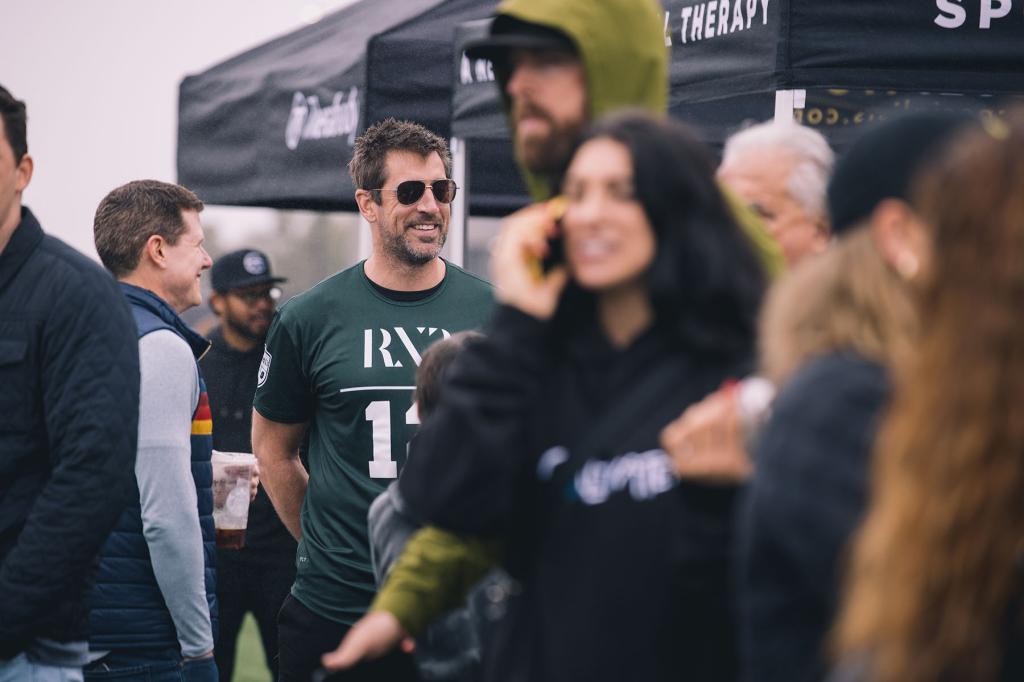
x=832 y=329
x=882 y=163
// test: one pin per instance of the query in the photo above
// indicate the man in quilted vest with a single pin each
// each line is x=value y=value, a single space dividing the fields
x=153 y=611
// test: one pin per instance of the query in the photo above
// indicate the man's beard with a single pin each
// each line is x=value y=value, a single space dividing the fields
x=549 y=154
x=243 y=330
x=397 y=246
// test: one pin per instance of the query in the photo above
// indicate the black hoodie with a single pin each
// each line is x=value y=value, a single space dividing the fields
x=625 y=573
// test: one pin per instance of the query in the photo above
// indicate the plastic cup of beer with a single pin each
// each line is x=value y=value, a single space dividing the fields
x=232 y=473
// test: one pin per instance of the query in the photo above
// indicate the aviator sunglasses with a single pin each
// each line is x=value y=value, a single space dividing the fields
x=410 y=191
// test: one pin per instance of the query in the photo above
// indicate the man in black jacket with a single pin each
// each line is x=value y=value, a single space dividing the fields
x=257 y=577
x=69 y=396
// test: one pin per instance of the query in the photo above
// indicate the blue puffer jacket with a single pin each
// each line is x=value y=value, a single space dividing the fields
x=127 y=609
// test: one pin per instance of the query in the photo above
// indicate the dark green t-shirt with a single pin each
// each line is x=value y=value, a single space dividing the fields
x=343 y=357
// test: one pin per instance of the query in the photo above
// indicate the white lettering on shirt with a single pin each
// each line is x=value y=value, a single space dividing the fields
x=377 y=343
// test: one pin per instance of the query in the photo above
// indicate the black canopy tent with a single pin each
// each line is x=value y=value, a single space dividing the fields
x=409 y=76
x=274 y=126
x=409 y=65
x=832 y=65
x=731 y=62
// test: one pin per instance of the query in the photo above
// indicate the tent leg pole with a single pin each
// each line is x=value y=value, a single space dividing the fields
x=784 y=100
x=460 y=206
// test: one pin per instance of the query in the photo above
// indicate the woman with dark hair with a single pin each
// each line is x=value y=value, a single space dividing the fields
x=702 y=283
x=937 y=578
x=547 y=434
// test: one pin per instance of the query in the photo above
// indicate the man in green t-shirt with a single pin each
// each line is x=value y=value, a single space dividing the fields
x=339 y=366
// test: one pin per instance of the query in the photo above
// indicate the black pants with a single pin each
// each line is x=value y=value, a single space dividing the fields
x=305 y=637
x=243 y=588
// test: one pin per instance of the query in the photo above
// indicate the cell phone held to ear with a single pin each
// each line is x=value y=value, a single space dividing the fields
x=556 y=245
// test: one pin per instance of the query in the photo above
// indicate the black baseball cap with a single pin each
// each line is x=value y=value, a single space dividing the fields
x=508 y=33
x=240 y=269
x=883 y=162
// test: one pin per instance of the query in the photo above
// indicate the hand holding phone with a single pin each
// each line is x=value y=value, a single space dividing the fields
x=556 y=240
x=526 y=263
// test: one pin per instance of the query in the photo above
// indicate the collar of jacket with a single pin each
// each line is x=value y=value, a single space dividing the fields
x=24 y=241
x=144 y=298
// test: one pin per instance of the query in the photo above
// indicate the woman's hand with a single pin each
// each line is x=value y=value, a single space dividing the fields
x=373 y=635
x=515 y=262
x=706 y=441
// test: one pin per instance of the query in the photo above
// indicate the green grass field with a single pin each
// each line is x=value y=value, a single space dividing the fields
x=250 y=664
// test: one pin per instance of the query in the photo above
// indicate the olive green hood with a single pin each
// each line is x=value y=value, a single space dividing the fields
x=622 y=46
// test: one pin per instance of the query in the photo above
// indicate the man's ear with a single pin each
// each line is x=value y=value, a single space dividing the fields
x=216 y=302
x=367 y=206
x=155 y=251
x=822 y=235
x=893 y=228
x=24 y=171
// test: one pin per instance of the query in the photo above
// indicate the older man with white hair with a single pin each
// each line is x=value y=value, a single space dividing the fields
x=781 y=169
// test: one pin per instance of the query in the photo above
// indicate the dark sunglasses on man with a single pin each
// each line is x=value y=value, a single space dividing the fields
x=410 y=191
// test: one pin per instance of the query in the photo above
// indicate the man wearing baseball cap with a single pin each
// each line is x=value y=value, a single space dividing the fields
x=257 y=577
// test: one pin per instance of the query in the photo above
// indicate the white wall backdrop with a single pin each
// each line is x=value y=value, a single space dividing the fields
x=100 y=79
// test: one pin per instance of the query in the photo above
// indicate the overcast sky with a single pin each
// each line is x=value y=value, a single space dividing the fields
x=100 y=78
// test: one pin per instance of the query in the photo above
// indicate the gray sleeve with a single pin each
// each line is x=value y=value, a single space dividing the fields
x=852 y=669
x=389 y=530
x=169 y=393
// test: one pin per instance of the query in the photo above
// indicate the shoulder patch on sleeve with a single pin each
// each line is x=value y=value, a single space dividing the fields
x=261 y=377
